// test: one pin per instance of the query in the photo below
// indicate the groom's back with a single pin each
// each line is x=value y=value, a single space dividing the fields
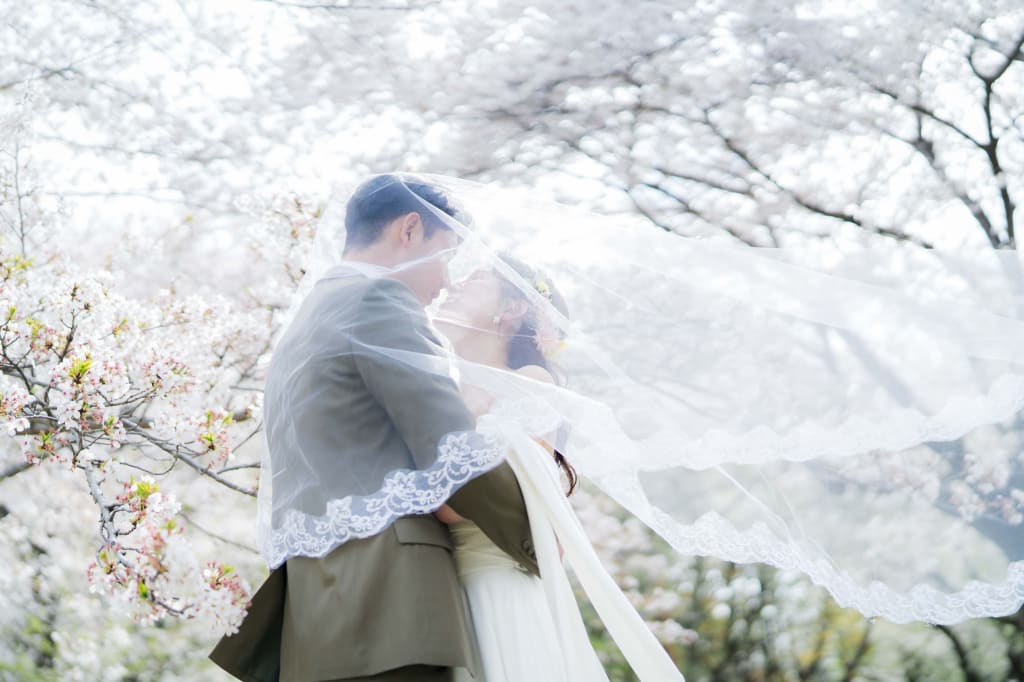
x=343 y=410
x=328 y=433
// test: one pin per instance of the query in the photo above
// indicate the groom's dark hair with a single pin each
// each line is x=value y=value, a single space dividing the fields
x=382 y=198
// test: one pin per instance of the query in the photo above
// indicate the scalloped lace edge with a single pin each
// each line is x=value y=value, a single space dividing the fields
x=712 y=535
x=404 y=492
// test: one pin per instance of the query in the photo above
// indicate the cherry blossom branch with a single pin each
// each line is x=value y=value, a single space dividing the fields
x=176 y=451
x=236 y=467
x=108 y=531
x=44 y=74
x=252 y=434
x=215 y=536
x=802 y=201
x=926 y=148
x=925 y=112
x=991 y=147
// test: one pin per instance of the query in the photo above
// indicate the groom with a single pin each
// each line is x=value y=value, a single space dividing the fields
x=387 y=607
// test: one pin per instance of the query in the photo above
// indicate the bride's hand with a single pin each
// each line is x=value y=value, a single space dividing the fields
x=448 y=515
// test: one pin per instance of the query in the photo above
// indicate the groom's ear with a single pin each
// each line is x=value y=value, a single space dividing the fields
x=409 y=229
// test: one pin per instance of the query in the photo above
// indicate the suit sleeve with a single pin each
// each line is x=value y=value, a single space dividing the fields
x=403 y=366
x=495 y=503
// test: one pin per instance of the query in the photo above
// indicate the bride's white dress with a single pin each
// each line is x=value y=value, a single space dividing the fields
x=531 y=629
x=516 y=634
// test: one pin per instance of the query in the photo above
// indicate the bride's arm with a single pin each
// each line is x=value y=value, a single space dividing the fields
x=448 y=515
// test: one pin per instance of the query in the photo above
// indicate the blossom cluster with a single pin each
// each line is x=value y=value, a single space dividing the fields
x=157 y=572
x=108 y=385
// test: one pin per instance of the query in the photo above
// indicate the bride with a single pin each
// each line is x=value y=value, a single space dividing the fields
x=529 y=628
x=489 y=322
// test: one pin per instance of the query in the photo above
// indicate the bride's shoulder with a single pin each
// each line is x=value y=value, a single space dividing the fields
x=537 y=373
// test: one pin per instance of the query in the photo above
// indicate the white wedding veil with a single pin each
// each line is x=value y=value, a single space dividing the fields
x=855 y=416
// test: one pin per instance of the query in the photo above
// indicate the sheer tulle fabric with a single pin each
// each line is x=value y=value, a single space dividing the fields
x=855 y=416
x=349 y=447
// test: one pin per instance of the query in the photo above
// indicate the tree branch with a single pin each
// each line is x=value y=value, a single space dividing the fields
x=176 y=451
x=742 y=191
x=992 y=147
x=801 y=201
x=926 y=148
x=970 y=675
x=924 y=111
x=44 y=75
x=215 y=536
x=687 y=207
x=1014 y=55
x=853 y=664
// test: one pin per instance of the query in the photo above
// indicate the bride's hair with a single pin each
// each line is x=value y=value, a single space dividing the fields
x=523 y=349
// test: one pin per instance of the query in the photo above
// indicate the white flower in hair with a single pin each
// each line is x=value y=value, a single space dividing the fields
x=547 y=337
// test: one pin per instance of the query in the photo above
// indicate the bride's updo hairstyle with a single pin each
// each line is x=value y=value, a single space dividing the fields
x=525 y=347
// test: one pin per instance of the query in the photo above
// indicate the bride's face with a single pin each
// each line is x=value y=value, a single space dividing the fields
x=473 y=302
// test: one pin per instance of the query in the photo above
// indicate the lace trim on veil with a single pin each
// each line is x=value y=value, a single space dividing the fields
x=713 y=535
x=461 y=457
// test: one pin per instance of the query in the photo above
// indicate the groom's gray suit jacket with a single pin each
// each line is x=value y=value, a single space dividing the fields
x=394 y=599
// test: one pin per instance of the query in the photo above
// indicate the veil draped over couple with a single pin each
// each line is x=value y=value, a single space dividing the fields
x=461 y=356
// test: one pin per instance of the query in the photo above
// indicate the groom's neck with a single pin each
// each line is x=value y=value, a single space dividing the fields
x=370 y=256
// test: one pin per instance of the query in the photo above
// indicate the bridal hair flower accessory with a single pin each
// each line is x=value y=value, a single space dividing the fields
x=547 y=336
